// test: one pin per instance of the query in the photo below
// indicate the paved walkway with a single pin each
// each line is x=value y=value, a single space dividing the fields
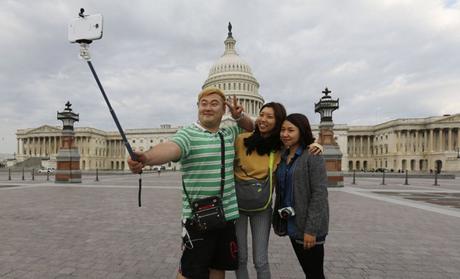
x=96 y=230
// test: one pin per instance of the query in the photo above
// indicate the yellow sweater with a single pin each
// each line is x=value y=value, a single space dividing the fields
x=253 y=165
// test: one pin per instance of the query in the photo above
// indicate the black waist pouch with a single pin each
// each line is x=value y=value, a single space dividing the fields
x=207 y=214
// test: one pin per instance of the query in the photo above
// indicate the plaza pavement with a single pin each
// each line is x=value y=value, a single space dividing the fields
x=96 y=230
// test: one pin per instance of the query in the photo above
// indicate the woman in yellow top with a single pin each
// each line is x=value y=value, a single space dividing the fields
x=252 y=165
x=252 y=162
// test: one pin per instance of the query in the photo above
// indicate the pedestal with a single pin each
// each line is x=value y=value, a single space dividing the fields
x=332 y=155
x=68 y=160
x=68 y=166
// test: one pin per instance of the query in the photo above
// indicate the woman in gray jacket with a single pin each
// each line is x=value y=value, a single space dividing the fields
x=301 y=195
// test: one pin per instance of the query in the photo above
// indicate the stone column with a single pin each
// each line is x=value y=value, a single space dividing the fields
x=368 y=147
x=449 y=140
x=403 y=142
x=430 y=144
x=441 y=140
x=48 y=139
x=416 y=142
x=425 y=140
x=32 y=143
x=45 y=146
x=40 y=146
x=458 y=137
x=409 y=142
x=361 y=148
x=35 y=146
x=354 y=146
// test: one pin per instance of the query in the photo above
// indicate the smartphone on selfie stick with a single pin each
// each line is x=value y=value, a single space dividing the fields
x=83 y=30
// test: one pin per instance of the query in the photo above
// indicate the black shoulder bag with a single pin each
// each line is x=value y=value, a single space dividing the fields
x=208 y=213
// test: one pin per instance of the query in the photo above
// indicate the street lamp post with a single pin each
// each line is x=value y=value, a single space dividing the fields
x=332 y=153
x=68 y=157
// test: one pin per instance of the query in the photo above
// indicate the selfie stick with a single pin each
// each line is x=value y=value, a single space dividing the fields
x=84 y=54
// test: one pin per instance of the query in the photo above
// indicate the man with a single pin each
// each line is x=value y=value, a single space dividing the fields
x=198 y=148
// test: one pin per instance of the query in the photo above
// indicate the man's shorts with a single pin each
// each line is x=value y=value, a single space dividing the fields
x=201 y=251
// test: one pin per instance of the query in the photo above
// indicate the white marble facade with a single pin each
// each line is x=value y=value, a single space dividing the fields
x=98 y=149
x=413 y=144
x=416 y=144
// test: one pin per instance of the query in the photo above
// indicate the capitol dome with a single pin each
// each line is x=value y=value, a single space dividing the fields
x=234 y=76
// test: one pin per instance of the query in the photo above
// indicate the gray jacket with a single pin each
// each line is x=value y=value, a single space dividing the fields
x=310 y=195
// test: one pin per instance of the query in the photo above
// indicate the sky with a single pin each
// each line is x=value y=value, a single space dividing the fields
x=383 y=59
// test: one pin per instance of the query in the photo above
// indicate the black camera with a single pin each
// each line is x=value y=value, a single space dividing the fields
x=286 y=212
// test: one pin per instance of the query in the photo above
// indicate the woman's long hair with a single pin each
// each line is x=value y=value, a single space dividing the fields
x=301 y=122
x=272 y=142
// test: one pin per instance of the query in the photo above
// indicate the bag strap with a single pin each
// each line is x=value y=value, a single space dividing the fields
x=270 y=168
x=186 y=194
x=222 y=166
x=222 y=170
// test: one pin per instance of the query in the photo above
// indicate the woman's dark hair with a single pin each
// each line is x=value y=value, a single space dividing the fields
x=301 y=122
x=272 y=142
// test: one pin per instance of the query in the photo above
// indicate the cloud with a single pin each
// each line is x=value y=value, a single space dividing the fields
x=383 y=59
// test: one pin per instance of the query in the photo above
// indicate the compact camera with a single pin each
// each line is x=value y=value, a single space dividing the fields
x=286 y=212
x=85 y=28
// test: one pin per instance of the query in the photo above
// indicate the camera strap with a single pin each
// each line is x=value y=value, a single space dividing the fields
x=222 y=171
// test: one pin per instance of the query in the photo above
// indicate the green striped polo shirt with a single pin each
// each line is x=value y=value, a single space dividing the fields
x=201 y=166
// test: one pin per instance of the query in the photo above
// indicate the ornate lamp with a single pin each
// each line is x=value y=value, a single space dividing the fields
x=332 y=153
x=67 y=117
x=326 y=106
x=68 y=157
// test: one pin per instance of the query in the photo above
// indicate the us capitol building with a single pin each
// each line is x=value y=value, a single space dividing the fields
x=414 y=144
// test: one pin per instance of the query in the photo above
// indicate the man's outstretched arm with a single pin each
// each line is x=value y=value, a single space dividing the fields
x=161 y=153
